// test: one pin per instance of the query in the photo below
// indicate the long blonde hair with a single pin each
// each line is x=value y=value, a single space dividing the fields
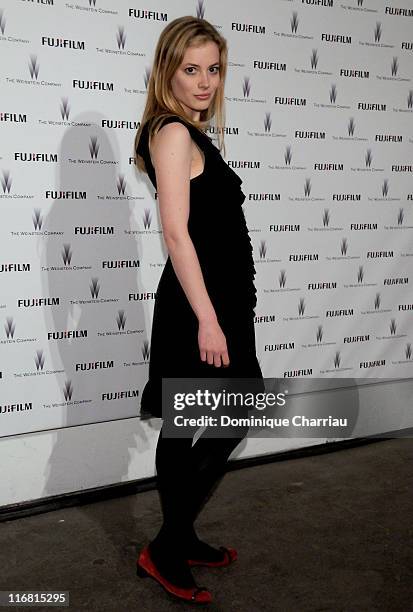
x=173 y=42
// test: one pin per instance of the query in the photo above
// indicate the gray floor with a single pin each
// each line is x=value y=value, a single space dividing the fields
x=328 y=532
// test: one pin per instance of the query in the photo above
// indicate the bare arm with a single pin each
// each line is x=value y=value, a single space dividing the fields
x=171 y=156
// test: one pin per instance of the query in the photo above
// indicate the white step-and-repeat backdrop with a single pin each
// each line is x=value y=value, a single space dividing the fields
x=319 y=110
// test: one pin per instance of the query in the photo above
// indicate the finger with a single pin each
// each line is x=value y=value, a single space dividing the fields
x=210 y=357
x=203 y=355
x=217 y=360
x=225 y=359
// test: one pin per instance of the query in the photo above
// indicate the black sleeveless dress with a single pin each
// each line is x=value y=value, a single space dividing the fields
x=220 y=236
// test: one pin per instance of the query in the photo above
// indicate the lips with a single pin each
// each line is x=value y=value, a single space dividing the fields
x=203 y=97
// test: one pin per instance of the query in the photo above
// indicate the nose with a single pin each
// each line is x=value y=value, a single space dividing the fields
x=204 y=81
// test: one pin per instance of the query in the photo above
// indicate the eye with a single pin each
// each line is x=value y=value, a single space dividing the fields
x=193 y=68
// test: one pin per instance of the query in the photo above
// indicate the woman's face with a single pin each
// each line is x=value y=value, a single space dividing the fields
x=198 y=74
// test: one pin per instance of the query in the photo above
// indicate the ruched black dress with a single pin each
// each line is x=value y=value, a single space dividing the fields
x=220 y=236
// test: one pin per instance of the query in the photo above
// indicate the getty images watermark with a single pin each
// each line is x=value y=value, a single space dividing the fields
x=264 y=408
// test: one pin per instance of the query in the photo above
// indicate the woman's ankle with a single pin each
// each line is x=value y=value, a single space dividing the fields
x=173 y=542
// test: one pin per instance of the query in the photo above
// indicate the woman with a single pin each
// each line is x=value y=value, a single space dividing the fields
x=203 y=320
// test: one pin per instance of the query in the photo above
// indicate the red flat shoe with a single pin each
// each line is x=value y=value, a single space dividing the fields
x=229 y=556
x=145 y=567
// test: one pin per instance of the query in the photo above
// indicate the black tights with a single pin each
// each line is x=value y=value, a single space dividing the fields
x=186 y=476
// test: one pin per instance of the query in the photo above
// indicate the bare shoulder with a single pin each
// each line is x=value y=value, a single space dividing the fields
x=171 y=138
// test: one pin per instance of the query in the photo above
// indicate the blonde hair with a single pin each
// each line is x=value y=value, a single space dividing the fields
x=173 y=42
